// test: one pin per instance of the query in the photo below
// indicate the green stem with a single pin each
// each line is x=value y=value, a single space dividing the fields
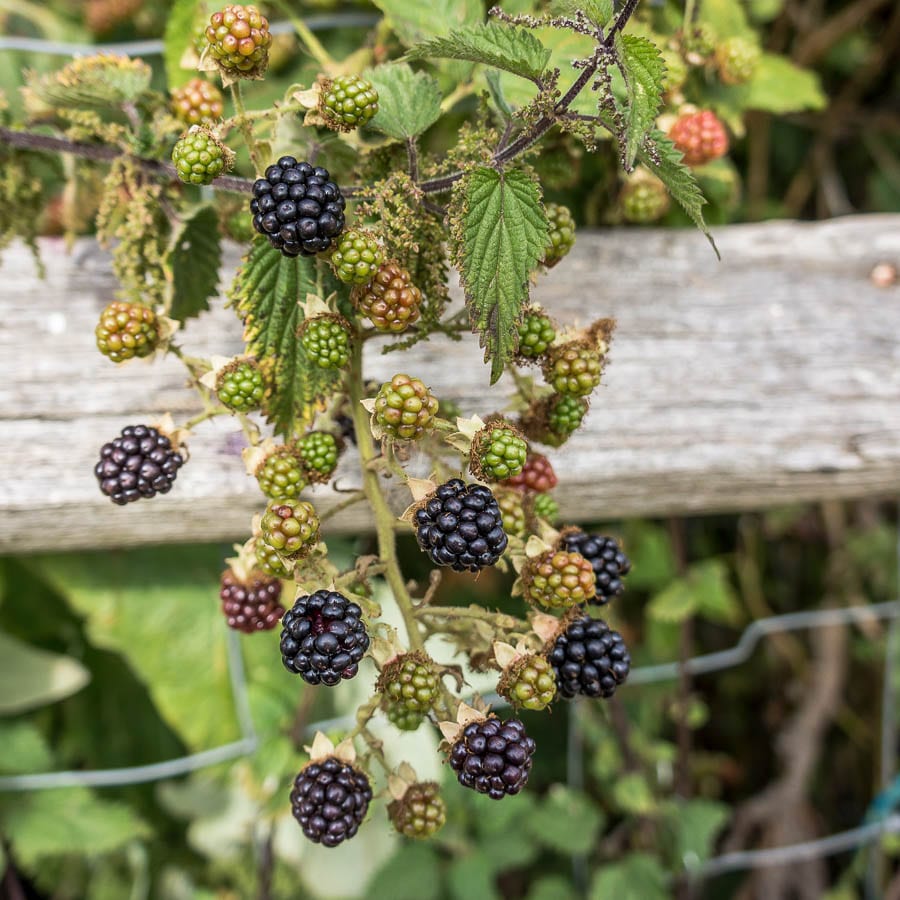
x=384 y=518
x=237 y=97
x=313 y=46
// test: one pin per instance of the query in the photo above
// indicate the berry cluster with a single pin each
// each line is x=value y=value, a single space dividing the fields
x=589 y=659
x=404 y=408
x=141 y=462
x=390 y=300
x=330 y=799
x=493 y=757
x=348 y=102
x=700 y=136
x=239 y=40
x=251 y=604
x=126 y=331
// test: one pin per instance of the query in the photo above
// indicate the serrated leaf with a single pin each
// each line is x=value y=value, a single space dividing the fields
x=408 y=102
x=71 y=821
x=502 y=231
x=266 y=293
x=511 y=49
x=644 y=73
x=195 y=257
x=632 y=794
x=666 y=164
x=696 y=824
x=637 y=877
x=33 y=677
x=182 y=22
x=565 y=821
x=92 y=82
x=600 y=12
x=23 y=748
x=416 y=22
x=675 y=603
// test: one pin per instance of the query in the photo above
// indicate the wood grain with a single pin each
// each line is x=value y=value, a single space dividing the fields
x=771 y=377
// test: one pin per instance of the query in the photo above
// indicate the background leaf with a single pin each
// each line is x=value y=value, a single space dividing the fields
x=408 y=102
x=565 y=821
x=182 y=21
x=696 y=824
x=195 y=257
x=417 y=22
x=502 y=231
x=23 y=748
x=637 y=877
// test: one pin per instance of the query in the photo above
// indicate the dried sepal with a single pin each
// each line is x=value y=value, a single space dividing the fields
x=166 y=426
x=321 y=748
x=546 y=627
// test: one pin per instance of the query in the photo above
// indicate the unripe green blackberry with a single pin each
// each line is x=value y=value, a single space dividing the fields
x=401 y=718
x=536 y=334
x=290 y=527
x=528 y=682
x=390 y=300
x=347 y=102
x=199 y=157
x=282 y=473
x=405 y=408
x=498 y=453
x=197 y=103
x=545 y=507
x=319 y=451
x=644 y=200
x=420 y=812
x=565 y=414
x=512 y=511
x=326 y=339
x=127 y=330
x=239 y=39
x=357 y=256
x=561 y=234
x=410 y=682
x=573 y=369
x=736 y=60
x=558 y=579
x=240 y=385
x=268 y=559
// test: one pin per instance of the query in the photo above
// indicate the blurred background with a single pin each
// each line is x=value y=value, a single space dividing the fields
x=115 y=659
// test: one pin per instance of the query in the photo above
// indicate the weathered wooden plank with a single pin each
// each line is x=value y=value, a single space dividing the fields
x=771 y=377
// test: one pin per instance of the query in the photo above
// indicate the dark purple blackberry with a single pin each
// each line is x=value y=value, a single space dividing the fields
x=608 y=561
x=460 y=525
x=141 y=462
x=323 y=639
x=250 y=604
x=493 y=757
x=330 y=799
x=589 y=659
x=297 y=207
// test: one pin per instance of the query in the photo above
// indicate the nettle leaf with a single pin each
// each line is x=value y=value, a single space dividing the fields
x=182 y=22
x=644 y=71
x=501 y=232
x=416 y=22
x=267 y=292
x=600 y=12
x=195 y=256
x=666 y=164
x=512 y=49
x=408 y=102
x=779 y=86
x=638 y=876
x=92 y=82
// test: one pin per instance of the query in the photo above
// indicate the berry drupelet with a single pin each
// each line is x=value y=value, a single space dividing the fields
x=330 y=799
x=493 y=757
x=297 y=207
x=141 y=462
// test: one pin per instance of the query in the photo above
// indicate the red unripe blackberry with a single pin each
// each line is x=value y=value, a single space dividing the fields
x=609 y=563
x=390 y=300
x=127 y=330
x=537 y=475
x=199 y=102
x=290 y=527
x=573 y=369
x=251 y=605
x=589 y=659
x=282 y=473
x=420 y=813
x=405 y=408
x=460 y=525
x=239 y=40
x=493 y=757
x=141 y=462
x=700 y=136
x=529 y=682
x=330 y=799
x=297 y=207
x=323 y=638
x=558 y=579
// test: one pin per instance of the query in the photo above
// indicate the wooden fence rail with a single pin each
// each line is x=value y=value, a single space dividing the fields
x=771 y=377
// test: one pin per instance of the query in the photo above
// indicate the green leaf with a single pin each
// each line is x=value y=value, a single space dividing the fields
x=417 y=22
x=675 y=603
x=637 y=877
x=715 y=597
x=492 y=76
x=472 y=878
x=779 y=86
x=632 y=794
x=32 y=677
x=266 y=293
x=512 y=49
x=408 y=102
x=195 y=256
x=97 y=82
x=70 y=821
x=552 y=887
x=644 y=71
x=182 y=21
x=661 y=158
x=501 y=232
x=600 y=12
x=696 y=824
x=23 y=748
x=566 y=821
x=650 y=549
x=413 y=873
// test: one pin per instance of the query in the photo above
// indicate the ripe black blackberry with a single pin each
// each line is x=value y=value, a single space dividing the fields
x=297 y=207
x=330 y=799
x=493 y=757
x=250 y=604
x=141 y=462
x=323 y=638
x=608 y=561
x=460 y=525
x=589 y=659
